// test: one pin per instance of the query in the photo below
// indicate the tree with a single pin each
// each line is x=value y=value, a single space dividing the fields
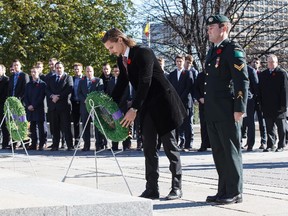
x=70 y=30
x=261 y=27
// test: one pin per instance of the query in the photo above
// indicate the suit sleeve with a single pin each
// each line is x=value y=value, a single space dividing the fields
x=68 y=88
x=39 y=102
x=238 y=69
x=284 y=88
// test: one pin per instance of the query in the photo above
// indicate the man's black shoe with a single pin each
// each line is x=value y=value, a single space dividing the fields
x=279 y=149
x=262 y=146
x=269 y=150
x=230 y=200
x=212 y=198
x=150 y=194
x=174 y=194
x=54 y=149
x=71 y=148
x=202 y=149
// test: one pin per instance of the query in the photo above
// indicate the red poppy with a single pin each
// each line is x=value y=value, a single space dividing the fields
x=273 y=74
x=128 y=61
x=219 y=51
x=183 y=72
x=83 y=78
x=37 y=85
x=93 y=81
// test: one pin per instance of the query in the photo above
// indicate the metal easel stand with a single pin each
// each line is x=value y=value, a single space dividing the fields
x=93 y=114
x=11 y=141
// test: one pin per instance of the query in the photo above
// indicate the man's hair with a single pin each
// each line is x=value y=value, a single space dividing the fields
x=180 y=57
x=189 y=58
x=115 y=66
x=59 y=62
x=105 y=64
x=53 y=59
x=16 y=60
x=114 y=34
x=78 y=64
x=228 y=24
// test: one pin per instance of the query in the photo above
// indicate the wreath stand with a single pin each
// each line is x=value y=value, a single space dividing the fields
x=9 y=113
x=93 y=114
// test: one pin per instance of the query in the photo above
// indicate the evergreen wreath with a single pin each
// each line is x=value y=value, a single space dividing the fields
x=16 y=121
x=109 y=116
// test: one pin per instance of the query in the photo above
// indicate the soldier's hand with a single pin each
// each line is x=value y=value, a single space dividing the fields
x=238 y=116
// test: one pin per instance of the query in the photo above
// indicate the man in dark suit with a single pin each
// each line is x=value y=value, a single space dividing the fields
x=34 y=101
x=183 y=82
x=226 y=89
x=4 y=83
x=78 y=68
x=18 y=81
x=249 y=120
x=86 y=85
x=58 y=92
x=273 y=87
x=199 y=95
x=160 y=108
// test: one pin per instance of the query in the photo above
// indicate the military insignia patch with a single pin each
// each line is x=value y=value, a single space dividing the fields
x=238 y=54
x=210 y=19
x=239 y=67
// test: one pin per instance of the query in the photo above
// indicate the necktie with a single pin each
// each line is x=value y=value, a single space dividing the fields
x=125 y=60
x=57 y=79
x=16 y=75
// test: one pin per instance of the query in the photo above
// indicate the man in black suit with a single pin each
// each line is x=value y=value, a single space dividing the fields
x=273 y=87
x=157 y=102
x=34 y=101
x=249 y=120
x=199 y=95
x=86 y=85
x=4 y=83
x=226 y=89
x=18 y=81
x=58 y=92
x=183 y=82
x=78 y=68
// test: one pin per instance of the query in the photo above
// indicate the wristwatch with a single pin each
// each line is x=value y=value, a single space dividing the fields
x=134 y=110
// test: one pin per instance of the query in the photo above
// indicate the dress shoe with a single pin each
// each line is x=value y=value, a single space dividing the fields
x=71 y=148
x=249 y=149
x=202 y=149
x=269 y=150
x=212 y=198
x=279 y=149
x=150 y=194
x=40 y=148
x=54 y=149
x=174 y=194
x=262 y=146
x=85 y=149
x=230 y=200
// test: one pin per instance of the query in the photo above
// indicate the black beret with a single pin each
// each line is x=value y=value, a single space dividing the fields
x=216 y=19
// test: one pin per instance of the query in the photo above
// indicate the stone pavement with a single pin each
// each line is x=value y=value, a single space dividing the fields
x=265 y=178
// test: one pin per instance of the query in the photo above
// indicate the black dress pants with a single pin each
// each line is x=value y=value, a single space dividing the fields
x=152 y=157
x=281 y=128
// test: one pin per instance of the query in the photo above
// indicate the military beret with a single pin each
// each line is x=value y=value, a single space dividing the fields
x=216 y=19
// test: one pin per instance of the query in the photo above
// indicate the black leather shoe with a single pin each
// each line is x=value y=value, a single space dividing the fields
x=174 y=194
x=70 y=148
x=249 y=149
x=150 y=194
x=262 y=146
x=212 y=198
x=269 y=150
x=202 y=149
x=54 y=149
x=230 y=200
x=279 y=149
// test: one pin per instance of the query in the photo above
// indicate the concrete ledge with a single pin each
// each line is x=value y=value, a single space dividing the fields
x=32 y=196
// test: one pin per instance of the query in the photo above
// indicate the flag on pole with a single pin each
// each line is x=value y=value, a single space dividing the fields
x=147 y=29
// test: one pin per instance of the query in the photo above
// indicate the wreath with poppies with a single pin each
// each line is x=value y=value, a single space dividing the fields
x=107 y=116
x=16 y=121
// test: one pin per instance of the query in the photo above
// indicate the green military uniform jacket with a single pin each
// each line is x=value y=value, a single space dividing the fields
x=226 y=83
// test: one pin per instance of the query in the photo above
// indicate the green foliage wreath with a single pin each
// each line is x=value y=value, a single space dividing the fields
x=16 y=121
x=109 y=116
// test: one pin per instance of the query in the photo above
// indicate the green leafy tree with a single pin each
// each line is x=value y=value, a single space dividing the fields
x=70 y=30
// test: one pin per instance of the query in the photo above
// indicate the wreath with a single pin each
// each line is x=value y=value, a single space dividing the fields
x=108 y=114
x=16 y=121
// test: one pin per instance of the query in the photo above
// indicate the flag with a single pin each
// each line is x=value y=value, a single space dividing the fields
x=147 y=29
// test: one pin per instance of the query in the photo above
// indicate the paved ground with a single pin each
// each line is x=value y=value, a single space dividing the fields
x=265 y=178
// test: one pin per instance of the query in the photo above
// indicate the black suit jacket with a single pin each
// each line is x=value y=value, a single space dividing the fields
x=34 y=95
x=184 y=86
x=273 y=89
x=154 y=93
x=83 y=91
x=63 y=88
x=4 y=83
x=23 y=79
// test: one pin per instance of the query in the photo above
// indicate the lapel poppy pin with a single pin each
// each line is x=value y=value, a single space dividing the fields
x=183 y=72
x=219 y=51
x=37 y=84
x=128 y=61
x=93 y=81
x=273 y=74
x=82 y=78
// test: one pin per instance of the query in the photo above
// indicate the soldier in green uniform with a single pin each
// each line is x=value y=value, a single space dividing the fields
x=225 y=96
